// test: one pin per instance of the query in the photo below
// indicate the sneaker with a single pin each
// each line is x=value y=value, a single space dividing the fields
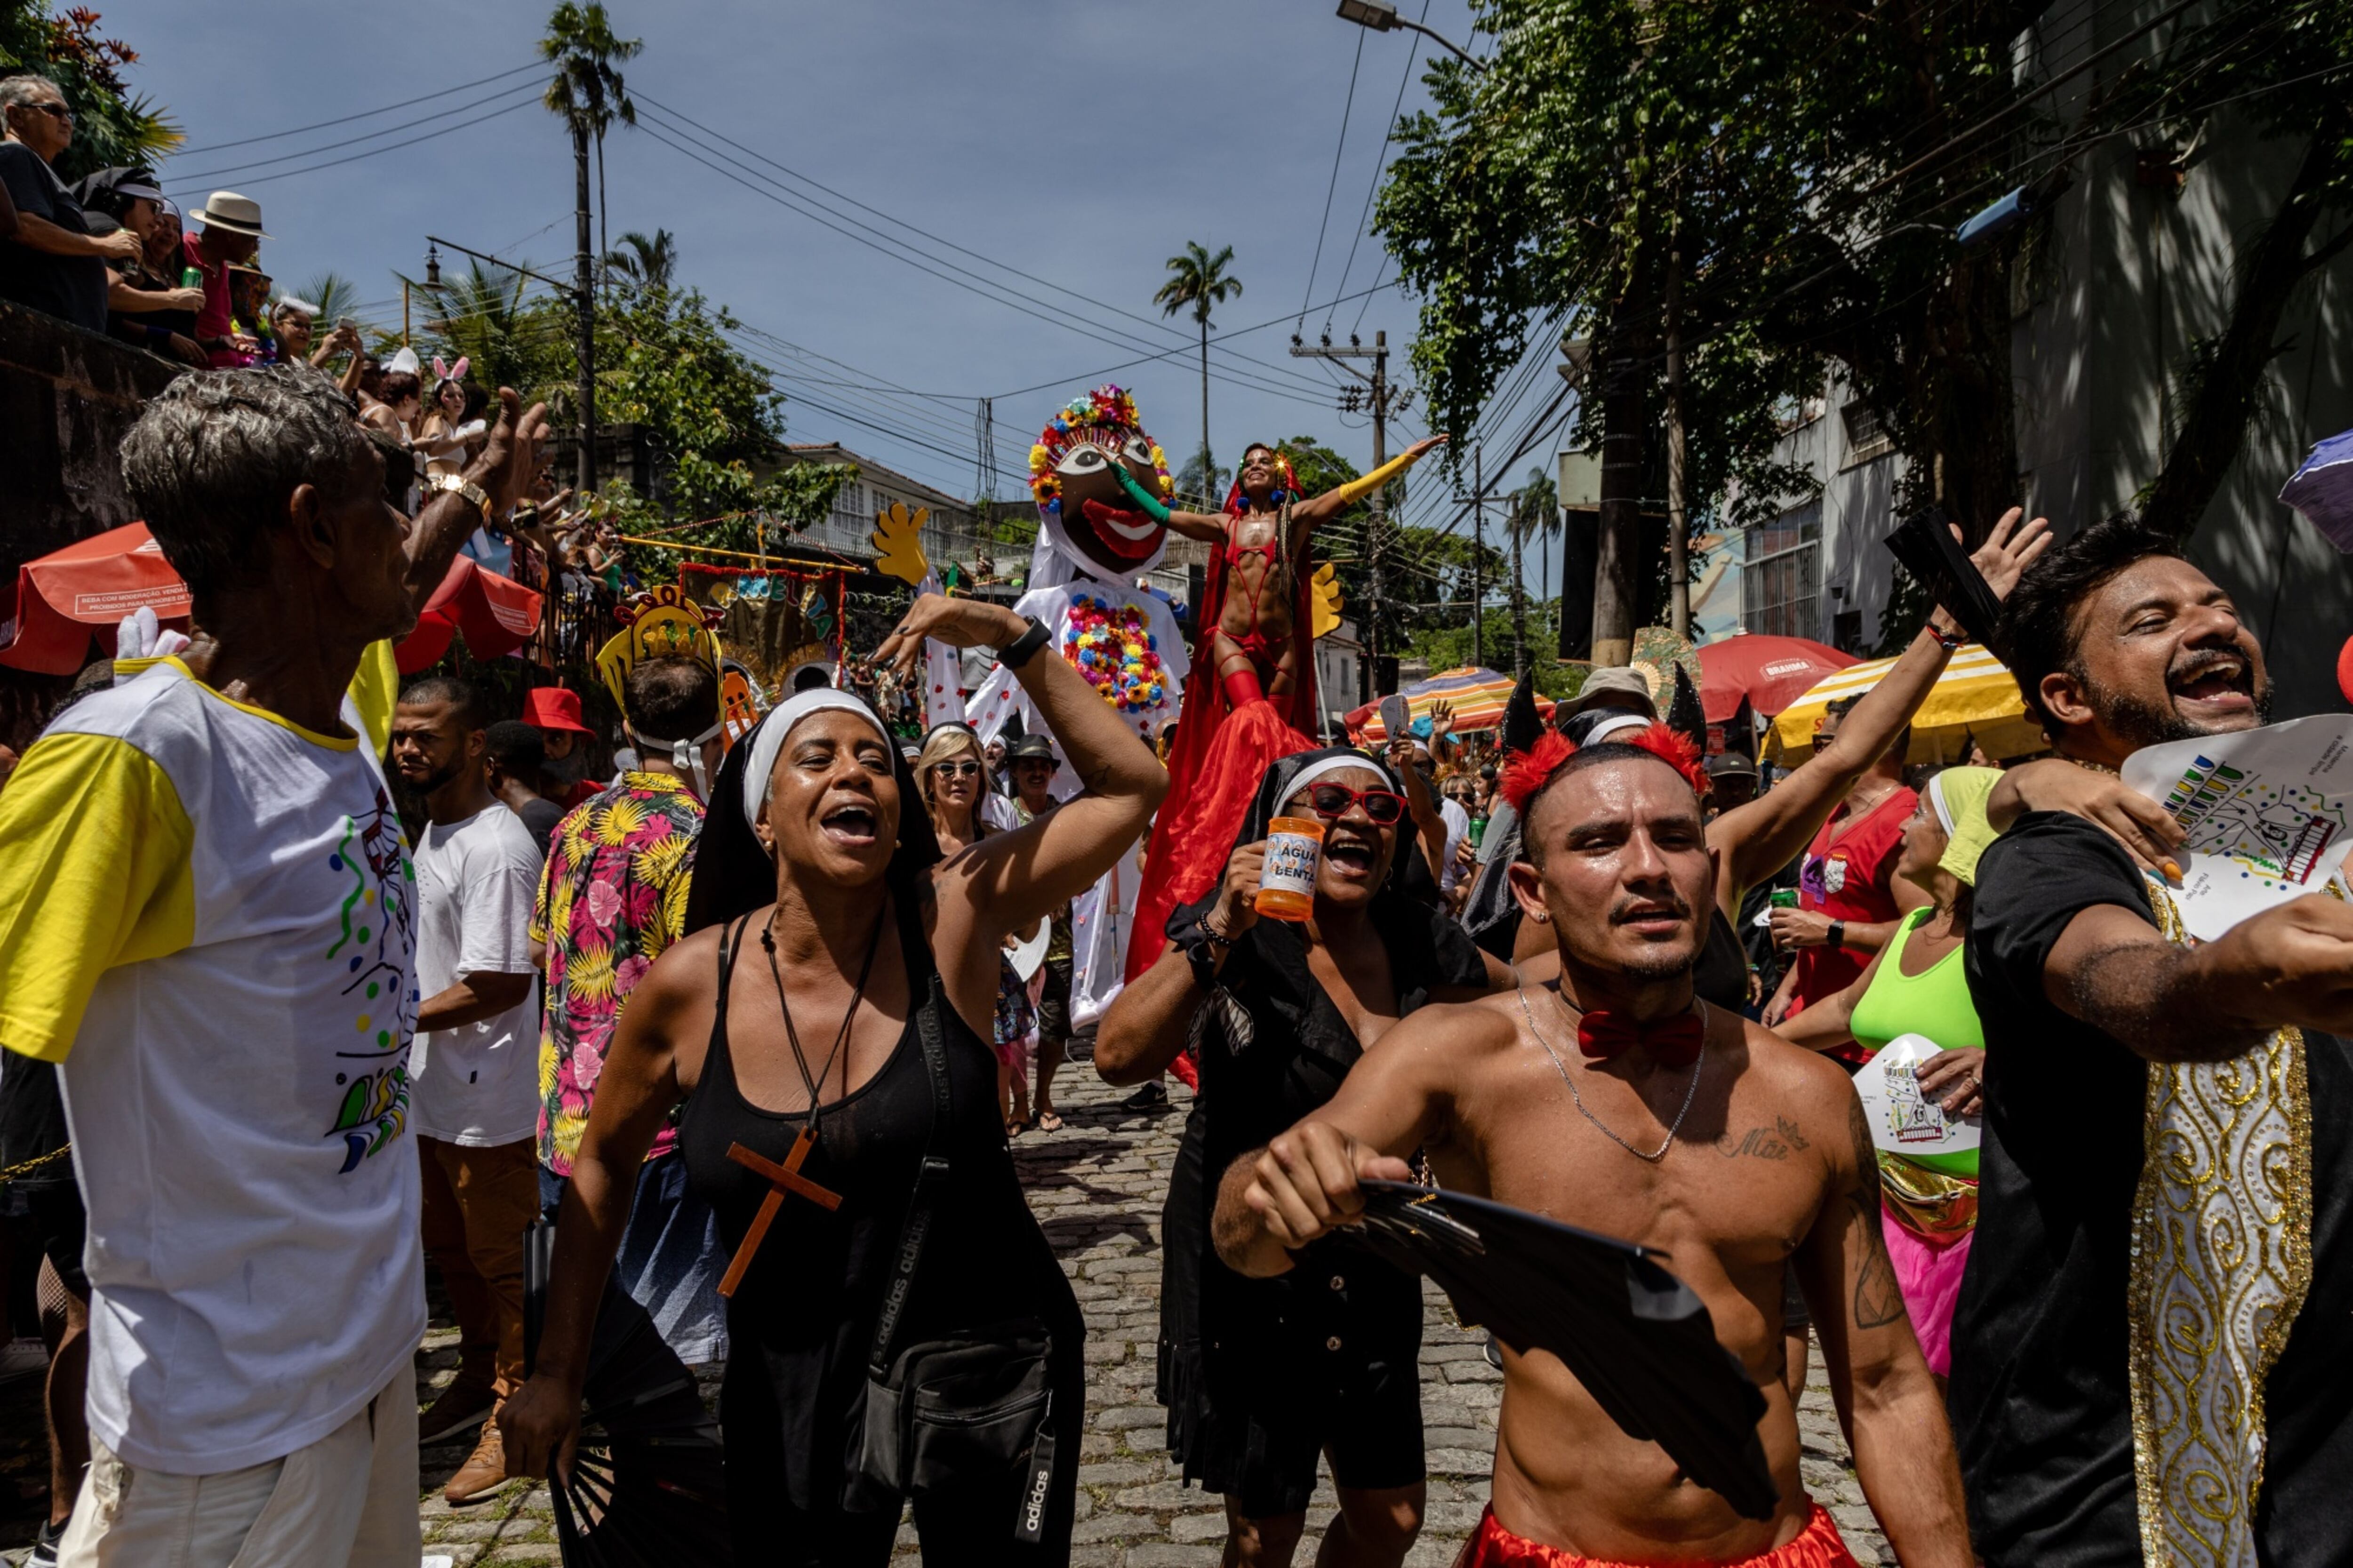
x=22 y=1358
x=456 y=1411
x=44 y=1553
x=484 y=1472
x=1151 y=1097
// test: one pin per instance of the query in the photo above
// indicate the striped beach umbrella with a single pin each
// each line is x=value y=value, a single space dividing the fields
x=1477 y=694
x=1976 y=698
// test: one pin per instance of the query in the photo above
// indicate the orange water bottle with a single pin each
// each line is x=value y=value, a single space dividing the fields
x=1286 y=883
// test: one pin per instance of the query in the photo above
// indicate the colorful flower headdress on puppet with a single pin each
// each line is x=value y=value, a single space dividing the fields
x=1286 y=483
x=1526 y=775
x=1101 y=413
x=663 y=623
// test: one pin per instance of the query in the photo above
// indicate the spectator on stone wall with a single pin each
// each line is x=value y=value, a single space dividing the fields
x=231 y=238
x=52 y=263
x=144 y=303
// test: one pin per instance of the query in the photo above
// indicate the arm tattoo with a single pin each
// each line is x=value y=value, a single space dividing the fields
x=1095 y=781
x=1878 y=1298
x=1774 y=1142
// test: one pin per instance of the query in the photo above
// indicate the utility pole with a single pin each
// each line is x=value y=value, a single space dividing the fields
x=583 y=301
x=1478 y=556
x=1678 y=518
x=1519 y=527
x=1386 y=400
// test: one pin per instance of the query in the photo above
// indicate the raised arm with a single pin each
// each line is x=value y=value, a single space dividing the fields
x=2291 y=965
x=448 y=519
x=1886 y=1399
x=1007 y=881
x=1753 y=841
x=638 y=1085
x=1332 y=502
x=1303 y=1183
x=1191 y=525
x=1829 y=1023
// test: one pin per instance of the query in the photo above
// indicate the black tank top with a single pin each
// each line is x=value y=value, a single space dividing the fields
x=1720 y=978
x=802 y=1321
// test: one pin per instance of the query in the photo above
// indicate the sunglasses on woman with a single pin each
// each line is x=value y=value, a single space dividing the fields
x=963 y=770
x=1332 y=801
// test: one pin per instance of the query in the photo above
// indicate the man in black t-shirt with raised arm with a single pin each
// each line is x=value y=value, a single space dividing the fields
x=2149 y=1355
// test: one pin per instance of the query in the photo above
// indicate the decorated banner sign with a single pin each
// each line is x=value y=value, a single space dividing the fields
x=2269 y=814
x=1907 y=1122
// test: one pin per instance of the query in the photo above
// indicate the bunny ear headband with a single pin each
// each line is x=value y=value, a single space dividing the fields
x=449 y=372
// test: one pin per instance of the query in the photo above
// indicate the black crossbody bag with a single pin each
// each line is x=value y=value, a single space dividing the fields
x=975 y=1403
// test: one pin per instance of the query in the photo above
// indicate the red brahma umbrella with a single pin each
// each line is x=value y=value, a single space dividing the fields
x=496 y=614
x=72 y=598
x=1771 y=672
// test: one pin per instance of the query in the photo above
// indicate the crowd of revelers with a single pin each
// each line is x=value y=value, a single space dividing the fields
x=742 y=1023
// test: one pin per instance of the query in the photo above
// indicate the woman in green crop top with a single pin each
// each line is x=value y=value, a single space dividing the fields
x=1916 y=986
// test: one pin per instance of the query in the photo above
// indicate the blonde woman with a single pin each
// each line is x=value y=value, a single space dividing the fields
x=952 y=778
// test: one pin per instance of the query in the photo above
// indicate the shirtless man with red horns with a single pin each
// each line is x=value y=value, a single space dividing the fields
x=1619 y=1102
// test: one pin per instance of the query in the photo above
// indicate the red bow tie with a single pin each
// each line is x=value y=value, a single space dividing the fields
x=1674 y=1042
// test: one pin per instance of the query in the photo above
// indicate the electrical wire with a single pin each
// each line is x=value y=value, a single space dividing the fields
x=1332 y=185
x=407 y=102
x=372 y=152
x=233 y=170
x=1380 y=164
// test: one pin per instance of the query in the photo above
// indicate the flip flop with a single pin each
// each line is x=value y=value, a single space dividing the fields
x=1049 y=1122
x=1015 y=1126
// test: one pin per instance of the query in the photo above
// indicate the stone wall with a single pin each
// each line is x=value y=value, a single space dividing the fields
x=67 y=398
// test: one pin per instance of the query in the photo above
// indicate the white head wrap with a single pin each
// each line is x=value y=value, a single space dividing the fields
x=1330 y=765
x=1610 y=726
x=770 y=739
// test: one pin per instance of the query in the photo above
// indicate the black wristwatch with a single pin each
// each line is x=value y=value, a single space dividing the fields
x=1838 y=935
x=1023 y=648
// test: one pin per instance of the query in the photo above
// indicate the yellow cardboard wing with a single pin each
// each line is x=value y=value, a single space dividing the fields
x=1327 y=606
x=898 y=540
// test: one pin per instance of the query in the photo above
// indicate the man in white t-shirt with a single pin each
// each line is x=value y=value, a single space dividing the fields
x=473 y=1073
x=207 y=918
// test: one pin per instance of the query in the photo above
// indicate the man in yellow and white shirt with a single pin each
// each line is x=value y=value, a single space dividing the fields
x=207 y=918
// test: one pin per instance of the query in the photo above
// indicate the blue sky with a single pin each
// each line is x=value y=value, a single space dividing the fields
x=1081 y=140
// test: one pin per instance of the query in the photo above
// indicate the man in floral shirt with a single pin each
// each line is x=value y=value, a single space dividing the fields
x=612 y=897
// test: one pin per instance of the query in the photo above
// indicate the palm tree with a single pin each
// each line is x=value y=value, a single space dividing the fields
x=647 y=263
x=1200 y=281
x=336 y=294
x=1533 y=508
x=588 y=91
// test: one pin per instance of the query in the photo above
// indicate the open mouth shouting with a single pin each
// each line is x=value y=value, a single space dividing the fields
x=1352 y=856
x=852 y=826
x=2211 y=684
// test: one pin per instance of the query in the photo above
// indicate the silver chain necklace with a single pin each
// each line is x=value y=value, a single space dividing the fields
x=1691 y=1092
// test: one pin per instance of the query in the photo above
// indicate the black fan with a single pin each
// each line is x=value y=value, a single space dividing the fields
x=646 y=1485
x=1924 y=542
x=1636 y=1338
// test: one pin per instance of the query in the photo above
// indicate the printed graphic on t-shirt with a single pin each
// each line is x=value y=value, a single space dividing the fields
x=377 y=935
x=1823 y=877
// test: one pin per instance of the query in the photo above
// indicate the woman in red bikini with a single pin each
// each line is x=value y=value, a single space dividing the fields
x=1261 y=559
x=1254 y=621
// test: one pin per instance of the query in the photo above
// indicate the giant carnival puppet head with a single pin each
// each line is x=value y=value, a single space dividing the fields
x=1082 y=510
x=664 y=625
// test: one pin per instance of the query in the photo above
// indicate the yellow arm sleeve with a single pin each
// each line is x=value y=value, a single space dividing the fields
x=94 y=873
x=374 y=691
x=1358 y=489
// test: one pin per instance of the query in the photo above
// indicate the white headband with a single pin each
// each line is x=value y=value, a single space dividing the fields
x=1330 y=765
x=1608 y=727
x=770 y=739
x=1936 y=799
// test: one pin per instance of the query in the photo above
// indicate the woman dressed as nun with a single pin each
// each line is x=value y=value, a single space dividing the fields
x=900 y=1328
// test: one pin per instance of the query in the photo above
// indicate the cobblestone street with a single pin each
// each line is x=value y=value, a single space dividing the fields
x=1097 y=1186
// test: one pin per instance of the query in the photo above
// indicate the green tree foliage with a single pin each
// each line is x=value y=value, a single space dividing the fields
x=643 y=263
x=113 y=125
x=1422 y=569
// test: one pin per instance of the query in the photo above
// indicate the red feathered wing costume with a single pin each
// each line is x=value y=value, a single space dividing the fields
x=1221 y=753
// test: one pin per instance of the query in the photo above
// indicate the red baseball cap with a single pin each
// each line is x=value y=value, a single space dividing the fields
x=552 y=707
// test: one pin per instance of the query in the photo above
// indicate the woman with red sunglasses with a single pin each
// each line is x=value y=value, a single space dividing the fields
x=1263 y=1378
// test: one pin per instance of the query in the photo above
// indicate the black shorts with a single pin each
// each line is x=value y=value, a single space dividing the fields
x=1370 y=1425
x=1054 y=1005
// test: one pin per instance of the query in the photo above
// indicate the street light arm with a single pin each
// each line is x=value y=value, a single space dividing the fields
x=1436 y=36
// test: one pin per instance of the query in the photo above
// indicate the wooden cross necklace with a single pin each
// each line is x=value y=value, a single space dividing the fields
x=787 y=1177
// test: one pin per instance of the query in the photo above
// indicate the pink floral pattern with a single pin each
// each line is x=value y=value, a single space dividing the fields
x=612 y=897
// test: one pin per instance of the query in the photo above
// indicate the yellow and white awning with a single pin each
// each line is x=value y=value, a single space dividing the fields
x=1976 y=698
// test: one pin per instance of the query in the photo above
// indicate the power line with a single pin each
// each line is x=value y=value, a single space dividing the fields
x=374 y=151
x=1332 y=186
x=409 y=101
x=211 y=175
x=1380 y=159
